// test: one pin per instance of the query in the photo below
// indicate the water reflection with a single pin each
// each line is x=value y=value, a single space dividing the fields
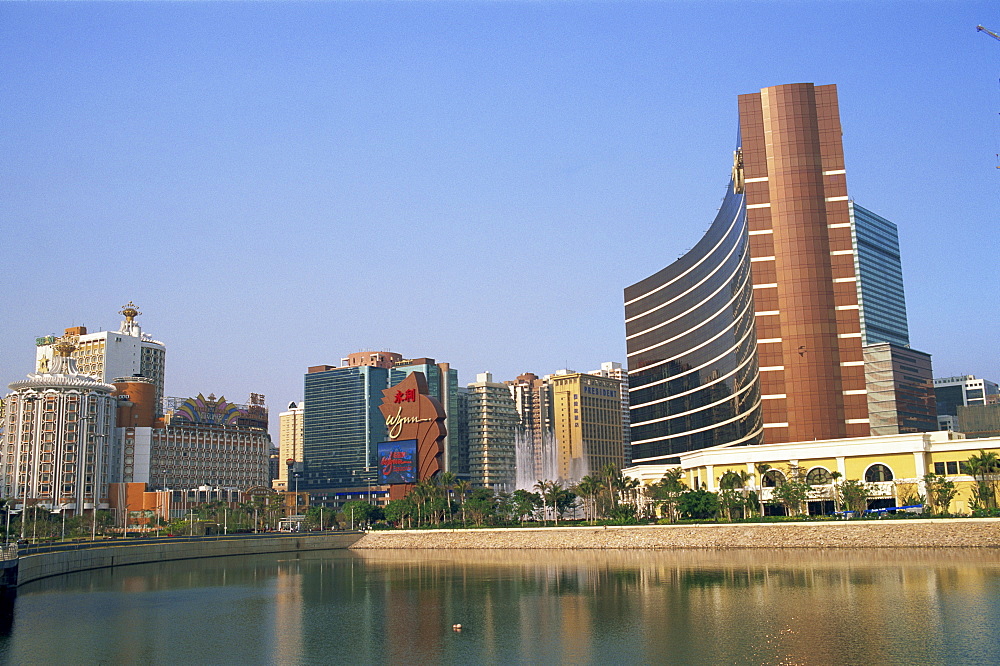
x=788 y=607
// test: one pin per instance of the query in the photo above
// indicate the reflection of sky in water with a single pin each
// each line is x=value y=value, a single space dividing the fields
x=788 y=607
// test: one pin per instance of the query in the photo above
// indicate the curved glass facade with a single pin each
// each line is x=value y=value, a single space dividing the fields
x=692 y=346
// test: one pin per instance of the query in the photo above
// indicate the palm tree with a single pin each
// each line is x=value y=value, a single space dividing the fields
x=611 y=476
x=462 y=487
x=985 y=465
x=542 y=488
x=668 y=490
x=589 y=488
x=448 y=480
x=836 y=490
x=553 y=493
x=762 y=469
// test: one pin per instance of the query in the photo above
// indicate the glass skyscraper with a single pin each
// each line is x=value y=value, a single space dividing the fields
x=342 y=425
x=691 y=341
x=880 y=278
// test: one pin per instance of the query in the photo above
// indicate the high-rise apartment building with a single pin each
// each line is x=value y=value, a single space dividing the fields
x=109 y=355
x=756 y=335
x=492 y=426
x=534 y=436
x=59 y=449
x=290 y=426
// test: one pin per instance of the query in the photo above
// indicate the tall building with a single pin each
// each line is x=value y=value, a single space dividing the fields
x=692 y=345
x=803 y=265
x=342 y=425
x=588 y=424
x=900 y=390
x=877 y=263
x=492 y=424
x=108 y=355
x=616 y=371
x=962 y=390
x=290 y=426
x=442 y=384
x=756 y=335
x=534 y=438
x=59 y=446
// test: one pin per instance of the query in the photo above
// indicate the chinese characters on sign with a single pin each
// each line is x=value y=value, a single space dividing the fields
x=409 y=395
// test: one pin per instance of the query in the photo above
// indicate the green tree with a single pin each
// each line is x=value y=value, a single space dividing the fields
x=854 y=496
x=565 y=500
x=984 y=468
x=835 y=489
x=698 y=504
x=667 y=492
x=481 y=505
x=400 y=511
x=589 y=488
x=793 y=492
x=359 y=512
x=940 y=492
x=448 y=481
x=462 y=487
x=524 y=503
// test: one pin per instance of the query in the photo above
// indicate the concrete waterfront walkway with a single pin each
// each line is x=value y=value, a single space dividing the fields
x=910 y=533
x=100 y=554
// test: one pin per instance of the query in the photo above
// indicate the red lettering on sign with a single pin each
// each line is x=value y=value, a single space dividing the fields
x=409 y=396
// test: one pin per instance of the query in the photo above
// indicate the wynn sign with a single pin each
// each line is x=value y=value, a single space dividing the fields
x=414 y=423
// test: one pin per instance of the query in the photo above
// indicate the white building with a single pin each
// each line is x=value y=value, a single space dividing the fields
x=110 y=355
x=58 y=449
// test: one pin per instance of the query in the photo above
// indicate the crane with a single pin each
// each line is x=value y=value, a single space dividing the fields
x=995 y=36
x=992 y=34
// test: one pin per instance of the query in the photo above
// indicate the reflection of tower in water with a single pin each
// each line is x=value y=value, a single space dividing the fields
x=288 y=614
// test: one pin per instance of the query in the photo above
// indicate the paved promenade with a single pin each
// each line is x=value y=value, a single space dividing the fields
x=913 y=533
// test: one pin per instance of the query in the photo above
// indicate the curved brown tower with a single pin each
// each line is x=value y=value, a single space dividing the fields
x=808 y=327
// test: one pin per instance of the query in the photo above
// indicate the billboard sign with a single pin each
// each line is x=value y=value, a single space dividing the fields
x=397 y=462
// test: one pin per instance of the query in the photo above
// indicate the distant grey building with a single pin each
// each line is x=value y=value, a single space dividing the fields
x=952 y=392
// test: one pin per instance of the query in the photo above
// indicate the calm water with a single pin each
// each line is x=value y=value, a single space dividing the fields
x=858 y=607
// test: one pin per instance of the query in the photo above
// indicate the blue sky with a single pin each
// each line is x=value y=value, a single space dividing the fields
x=276 y=185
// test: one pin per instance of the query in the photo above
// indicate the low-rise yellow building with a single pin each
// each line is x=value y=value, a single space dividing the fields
x=892 y=466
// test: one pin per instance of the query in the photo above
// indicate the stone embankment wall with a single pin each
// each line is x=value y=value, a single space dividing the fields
x=33 y=567
x=914 y=533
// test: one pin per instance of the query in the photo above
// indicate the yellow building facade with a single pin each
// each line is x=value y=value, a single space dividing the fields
x=892 y=466
x=289 y=444
x=587 y=421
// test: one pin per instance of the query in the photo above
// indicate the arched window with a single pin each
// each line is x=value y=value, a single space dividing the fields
x=877 y=473
x=818 y=476
x=772 y=479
